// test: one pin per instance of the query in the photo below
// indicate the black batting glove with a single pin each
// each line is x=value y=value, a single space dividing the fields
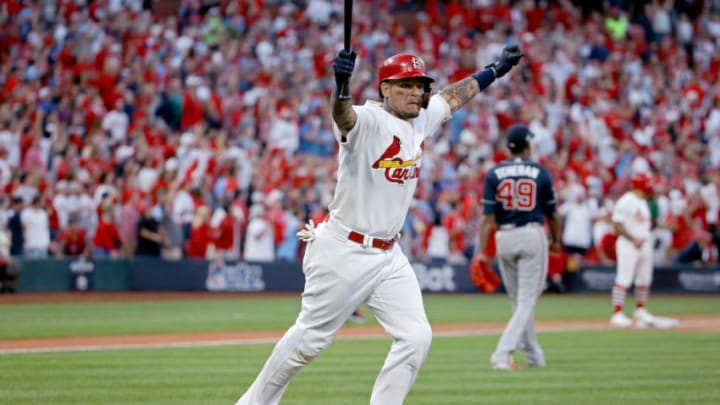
x=510 y=57
x=343 y=66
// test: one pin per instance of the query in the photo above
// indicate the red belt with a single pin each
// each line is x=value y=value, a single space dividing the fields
x=383 y=244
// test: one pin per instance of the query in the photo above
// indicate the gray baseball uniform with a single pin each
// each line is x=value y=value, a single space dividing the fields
x=517 y=196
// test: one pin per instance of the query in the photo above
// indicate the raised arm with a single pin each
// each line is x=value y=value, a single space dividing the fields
x=462 y=91
x=342 y=111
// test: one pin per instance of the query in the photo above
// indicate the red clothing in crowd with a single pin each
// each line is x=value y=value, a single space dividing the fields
x=192 y=110
x=74 y=241
x=606 y=248
x=225 y=233
x=556 y=263
x=107 y=236
x=682 y=232
x=455 y=225
x=200 y=239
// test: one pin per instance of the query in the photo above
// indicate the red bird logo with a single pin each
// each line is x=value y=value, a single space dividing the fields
x=391 y=151
x=396 y=169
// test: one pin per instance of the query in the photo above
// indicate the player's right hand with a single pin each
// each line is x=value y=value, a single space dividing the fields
x=510 y=57
x=343 y=66
x=307 y=234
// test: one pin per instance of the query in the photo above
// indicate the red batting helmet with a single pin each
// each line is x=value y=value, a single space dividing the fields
x=403 y=66
x=642 y=182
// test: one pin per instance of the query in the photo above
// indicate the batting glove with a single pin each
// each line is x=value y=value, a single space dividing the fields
x=307 y=234
x=510 y=57
x=343 y=66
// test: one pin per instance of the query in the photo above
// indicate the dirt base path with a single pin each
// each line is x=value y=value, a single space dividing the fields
x=700 y=323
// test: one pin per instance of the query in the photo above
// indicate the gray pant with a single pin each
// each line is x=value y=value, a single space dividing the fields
x=523 y=259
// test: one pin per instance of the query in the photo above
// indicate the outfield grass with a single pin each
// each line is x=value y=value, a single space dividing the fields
x=113 y=318
x=584 y=367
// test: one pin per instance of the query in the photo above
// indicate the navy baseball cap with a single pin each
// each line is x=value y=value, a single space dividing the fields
x=518 y=137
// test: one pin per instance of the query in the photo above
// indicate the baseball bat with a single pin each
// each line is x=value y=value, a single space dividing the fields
x=348 y=23
x=348 y=33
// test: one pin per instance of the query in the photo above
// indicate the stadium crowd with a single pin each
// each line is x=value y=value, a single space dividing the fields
x=207 y=133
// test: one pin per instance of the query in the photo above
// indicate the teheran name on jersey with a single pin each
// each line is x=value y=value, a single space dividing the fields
x=396 y=169
x=517 y=170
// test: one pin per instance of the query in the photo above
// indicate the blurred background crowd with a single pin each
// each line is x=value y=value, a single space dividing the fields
x=189 y=128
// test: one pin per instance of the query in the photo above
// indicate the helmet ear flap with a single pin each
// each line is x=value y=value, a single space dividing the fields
x=426 y=95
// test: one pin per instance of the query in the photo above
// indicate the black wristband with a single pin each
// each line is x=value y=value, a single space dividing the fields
x=485 y=77
x=342 y=91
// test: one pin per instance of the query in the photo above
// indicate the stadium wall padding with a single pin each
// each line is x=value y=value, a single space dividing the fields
x=148 y=274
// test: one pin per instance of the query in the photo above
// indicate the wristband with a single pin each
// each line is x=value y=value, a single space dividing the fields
x=485 y=77
x=342 y=91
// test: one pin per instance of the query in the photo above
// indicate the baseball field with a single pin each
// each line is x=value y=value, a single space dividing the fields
x=141 y=348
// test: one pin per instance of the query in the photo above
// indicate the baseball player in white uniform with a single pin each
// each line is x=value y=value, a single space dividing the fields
x=352 y=257
x=632 y=221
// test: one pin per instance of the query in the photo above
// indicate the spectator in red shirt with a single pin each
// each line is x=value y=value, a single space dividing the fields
x=224 y=232
x=604 y=253
x=455 y=225
x=107 y=241
x=72 y=241
x=200 y=234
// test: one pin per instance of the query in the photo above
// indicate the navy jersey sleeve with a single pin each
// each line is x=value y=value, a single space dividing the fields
x=488 y=198
x=547 y=192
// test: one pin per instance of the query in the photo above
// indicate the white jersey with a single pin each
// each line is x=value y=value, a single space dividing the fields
x=633 y=213
x=378 y=166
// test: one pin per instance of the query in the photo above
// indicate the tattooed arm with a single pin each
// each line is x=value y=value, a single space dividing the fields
x=460 y=92
x=344 y=115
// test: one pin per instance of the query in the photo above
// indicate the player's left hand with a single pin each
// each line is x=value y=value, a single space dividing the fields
x=555 y=247
x=510 y=57
x=307 y=234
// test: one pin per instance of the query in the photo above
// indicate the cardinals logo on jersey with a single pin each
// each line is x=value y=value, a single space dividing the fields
x=639 y=216
x=397 y=170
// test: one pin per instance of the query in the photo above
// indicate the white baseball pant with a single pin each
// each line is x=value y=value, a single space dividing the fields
x=340 y=275
x=633 y=262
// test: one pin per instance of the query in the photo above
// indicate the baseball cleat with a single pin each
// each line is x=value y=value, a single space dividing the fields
x=357 y=316
x=662 y=322
x=509 y=366
x=644 y=319
x=620 y=320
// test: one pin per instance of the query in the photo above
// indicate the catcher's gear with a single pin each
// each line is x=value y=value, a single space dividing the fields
x=307 y=234
x=510 y=57
x=405 y=66
x=641 y=181
x=343 y=66
x=483 y=276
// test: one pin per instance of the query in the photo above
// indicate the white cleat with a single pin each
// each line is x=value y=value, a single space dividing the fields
x=509 y=366
x=620 y=320
x=644 y=319
x=662 y=322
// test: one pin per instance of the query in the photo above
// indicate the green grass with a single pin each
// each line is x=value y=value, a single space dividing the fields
x=227 y=314
x=584 y=367
x=604 y=367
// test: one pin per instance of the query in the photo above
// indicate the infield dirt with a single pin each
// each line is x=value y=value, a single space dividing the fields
x=700 y=323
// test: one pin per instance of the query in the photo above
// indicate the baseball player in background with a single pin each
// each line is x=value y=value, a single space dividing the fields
x=518 y=196
x=353 y=257
x=634 y=251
